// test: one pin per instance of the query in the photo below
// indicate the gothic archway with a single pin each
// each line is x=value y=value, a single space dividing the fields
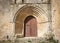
x=25 y=12
x=30 y=27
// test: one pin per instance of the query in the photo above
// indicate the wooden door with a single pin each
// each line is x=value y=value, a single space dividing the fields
x=30 y=26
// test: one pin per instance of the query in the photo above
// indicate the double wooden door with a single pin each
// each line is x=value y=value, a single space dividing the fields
x=30 y=27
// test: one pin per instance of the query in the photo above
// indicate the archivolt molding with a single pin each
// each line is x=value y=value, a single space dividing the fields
x=27 y=10
x=37 y=10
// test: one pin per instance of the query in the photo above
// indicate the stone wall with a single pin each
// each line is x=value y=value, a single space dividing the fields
x=5 y=18
x=8 y=10
x=56 y=18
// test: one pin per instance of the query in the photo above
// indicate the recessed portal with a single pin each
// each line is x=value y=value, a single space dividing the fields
x=30 y=27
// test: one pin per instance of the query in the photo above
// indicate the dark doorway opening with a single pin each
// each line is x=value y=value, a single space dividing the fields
x=30 y=27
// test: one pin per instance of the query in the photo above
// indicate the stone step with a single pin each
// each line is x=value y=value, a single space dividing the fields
x=29 y=40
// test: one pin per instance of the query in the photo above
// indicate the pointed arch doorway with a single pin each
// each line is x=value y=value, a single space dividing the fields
x=30 y=27
x=26 y=20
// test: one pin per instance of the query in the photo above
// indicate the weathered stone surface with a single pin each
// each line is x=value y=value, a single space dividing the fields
x=56 y=18
x=36 y=1
x=8 y=11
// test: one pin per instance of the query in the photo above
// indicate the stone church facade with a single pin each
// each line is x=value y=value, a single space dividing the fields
x=26 y=18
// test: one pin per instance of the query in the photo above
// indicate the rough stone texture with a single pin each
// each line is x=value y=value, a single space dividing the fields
x=29 y=40
x=31 y=1
x=8 y=10
x=56 y=18
x=35 y=1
